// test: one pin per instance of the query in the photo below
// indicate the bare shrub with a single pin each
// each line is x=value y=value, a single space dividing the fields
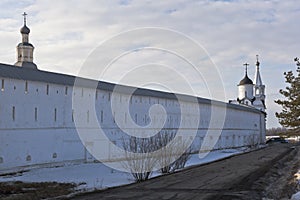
x=142 y=155
x=167 y=157
x=181 y=161
x=137 y=157
x=253 y=141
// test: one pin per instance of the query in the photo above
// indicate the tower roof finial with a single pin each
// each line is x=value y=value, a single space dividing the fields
x=257 y=62
x=246 y=69
x=24 y=15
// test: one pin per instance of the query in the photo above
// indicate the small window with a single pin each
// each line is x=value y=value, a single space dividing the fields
x=108 y=96
x=28 y=158
x=55 y=114
x=72 y=115
x=2 y=85
x=101 y=116
x=13 y=113
x=54 y=155
x=47 y=89
x=26 y=87
x=135 y=118
x=66 y=90
x=125 y=118
x=257 y=91
x=35 y=114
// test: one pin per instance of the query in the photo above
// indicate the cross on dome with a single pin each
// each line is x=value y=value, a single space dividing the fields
x=24 y=15
x=246 y=64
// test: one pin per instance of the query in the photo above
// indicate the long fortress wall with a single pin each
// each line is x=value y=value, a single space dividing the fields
x=38 y=119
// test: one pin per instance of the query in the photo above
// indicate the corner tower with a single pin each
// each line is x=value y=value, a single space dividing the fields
x=25 y=49
x=245 y=88
x=259 y=89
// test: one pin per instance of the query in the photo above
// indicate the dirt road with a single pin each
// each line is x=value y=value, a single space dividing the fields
x=263 y=173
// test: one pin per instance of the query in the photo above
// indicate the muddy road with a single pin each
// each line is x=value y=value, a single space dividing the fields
x=264 y=173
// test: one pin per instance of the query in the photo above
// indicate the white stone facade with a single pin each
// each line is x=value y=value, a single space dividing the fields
x=37 y=123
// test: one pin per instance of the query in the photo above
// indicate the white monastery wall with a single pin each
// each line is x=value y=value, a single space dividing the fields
x=37 y=122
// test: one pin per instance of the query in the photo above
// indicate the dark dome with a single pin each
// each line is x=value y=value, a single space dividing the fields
x=25 y=30
x=246 y=80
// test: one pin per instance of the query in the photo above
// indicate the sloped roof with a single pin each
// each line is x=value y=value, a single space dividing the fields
x=257 y=79
x=15 y=72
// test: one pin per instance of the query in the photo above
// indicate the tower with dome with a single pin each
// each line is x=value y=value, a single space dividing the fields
x=25 y=49
x=249 y=93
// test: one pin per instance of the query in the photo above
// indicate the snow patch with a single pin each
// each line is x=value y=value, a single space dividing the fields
x=296 y=196
x=90 y=176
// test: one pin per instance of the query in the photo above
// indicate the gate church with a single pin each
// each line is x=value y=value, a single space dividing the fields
x=37 y=119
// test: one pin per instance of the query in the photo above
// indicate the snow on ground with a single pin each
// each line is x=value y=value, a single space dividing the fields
x=296 y=196
x=92 y=176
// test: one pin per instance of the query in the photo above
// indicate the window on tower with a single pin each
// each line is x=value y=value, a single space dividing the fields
x=257 y=91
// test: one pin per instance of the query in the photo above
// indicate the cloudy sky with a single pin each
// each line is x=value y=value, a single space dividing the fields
x=218 y=36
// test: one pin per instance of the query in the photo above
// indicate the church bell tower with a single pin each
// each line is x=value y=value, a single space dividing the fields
x=259 y=89
x=25 y=49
